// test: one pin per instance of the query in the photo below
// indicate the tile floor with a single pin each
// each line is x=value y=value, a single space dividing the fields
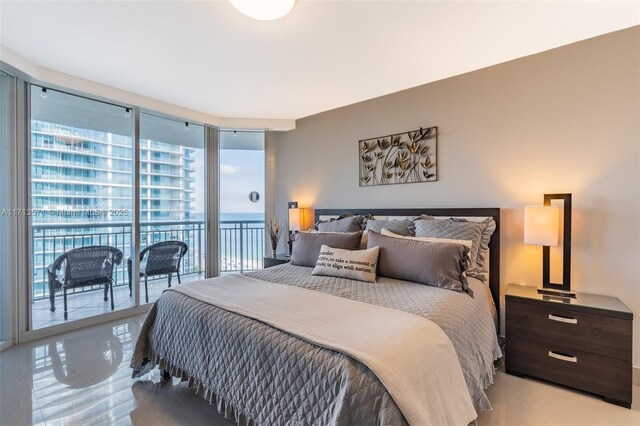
x=83 y=377
x=90 y=303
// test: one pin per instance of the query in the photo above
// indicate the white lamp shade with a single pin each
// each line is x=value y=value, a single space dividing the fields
x=541 y=225
x=299 y=219
x=264 y=10
x=294 y=219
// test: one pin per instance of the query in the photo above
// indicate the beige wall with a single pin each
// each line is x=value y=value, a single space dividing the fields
x=566 y=120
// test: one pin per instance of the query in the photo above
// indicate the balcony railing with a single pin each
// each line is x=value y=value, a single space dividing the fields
x=241 y=245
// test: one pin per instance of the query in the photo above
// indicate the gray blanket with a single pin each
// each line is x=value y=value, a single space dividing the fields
x=259 y=374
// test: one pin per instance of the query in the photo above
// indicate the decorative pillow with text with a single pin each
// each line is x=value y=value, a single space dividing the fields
x=354 y=264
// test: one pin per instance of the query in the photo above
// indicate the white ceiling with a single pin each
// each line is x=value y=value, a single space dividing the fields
x=206 y=56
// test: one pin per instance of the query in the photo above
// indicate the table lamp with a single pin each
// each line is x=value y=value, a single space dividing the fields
x=542 y=227
x=299 y=220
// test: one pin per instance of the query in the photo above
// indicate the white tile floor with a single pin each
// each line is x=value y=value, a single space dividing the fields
x=529 y=402
x=83 y=377
x=90 y=303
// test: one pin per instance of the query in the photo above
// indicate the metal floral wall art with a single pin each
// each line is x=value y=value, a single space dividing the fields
x=401 y=158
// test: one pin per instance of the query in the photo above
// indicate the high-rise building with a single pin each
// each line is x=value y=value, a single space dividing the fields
x=81 y=175
x=166 y=181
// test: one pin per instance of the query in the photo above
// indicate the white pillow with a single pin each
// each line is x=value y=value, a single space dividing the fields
x=467 y=243
x=355 y=264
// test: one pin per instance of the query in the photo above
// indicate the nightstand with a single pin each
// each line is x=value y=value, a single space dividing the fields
x=583 y=342
x=269 y=261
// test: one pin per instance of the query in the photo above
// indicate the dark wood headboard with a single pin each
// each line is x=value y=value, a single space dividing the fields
x=494 y=244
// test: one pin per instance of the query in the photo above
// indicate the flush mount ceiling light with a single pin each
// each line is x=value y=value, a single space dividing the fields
x=264 y=10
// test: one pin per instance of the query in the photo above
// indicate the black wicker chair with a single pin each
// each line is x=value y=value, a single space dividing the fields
x=159 y=259
x=85 y=266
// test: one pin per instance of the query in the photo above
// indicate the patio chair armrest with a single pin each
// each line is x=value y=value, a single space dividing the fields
x=143 y=252
x=57 y=264
x=117 y=259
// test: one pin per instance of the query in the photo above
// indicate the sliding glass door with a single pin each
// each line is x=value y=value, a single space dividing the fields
x=172 y=204
x=7 y=216
x=242 y=184
x=116 y=207
x=81 y=186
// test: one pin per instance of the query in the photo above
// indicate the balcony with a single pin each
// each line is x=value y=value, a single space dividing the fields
x=241 y=249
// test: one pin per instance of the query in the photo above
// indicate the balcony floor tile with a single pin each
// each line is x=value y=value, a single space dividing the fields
x=90 y=303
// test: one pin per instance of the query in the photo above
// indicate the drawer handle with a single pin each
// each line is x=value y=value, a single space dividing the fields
x=563 y=319
x=563 y=357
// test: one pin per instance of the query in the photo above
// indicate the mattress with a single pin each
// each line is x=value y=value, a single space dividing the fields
x=260 y=375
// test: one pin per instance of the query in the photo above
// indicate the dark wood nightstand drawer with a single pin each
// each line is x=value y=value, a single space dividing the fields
x=587 y=371
x=597 y=334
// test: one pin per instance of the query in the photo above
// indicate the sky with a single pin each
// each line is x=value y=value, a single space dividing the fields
x=241 y=172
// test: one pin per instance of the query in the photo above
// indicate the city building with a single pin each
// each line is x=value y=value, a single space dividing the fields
x=81 y=175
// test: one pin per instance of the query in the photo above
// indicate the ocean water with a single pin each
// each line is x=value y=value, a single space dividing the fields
x=241 y=216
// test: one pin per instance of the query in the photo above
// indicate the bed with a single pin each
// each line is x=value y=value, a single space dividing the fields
x=256 y=373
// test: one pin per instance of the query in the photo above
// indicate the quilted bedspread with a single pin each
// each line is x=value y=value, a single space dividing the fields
x=260 y=375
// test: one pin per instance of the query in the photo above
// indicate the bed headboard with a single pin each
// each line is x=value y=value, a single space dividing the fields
x=494 y=244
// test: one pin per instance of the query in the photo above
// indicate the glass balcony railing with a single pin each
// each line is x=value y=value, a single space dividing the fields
x=242 y=245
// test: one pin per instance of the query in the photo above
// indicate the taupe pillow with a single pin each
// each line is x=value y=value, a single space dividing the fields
x=436 y=264
x=466 y=243
x=354 y=264
x=363 y=239
x=342 y=224
x=306 y=246
x=479 y=233
x=401 y=227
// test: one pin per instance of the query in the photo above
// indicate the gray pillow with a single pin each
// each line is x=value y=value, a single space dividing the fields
x=306 y=246
x=404 y=227
x=342 y=224
x=479 y=233
x=483 y=252
x=436 y=264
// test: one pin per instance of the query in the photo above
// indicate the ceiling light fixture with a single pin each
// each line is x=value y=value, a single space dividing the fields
x=264 y=10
